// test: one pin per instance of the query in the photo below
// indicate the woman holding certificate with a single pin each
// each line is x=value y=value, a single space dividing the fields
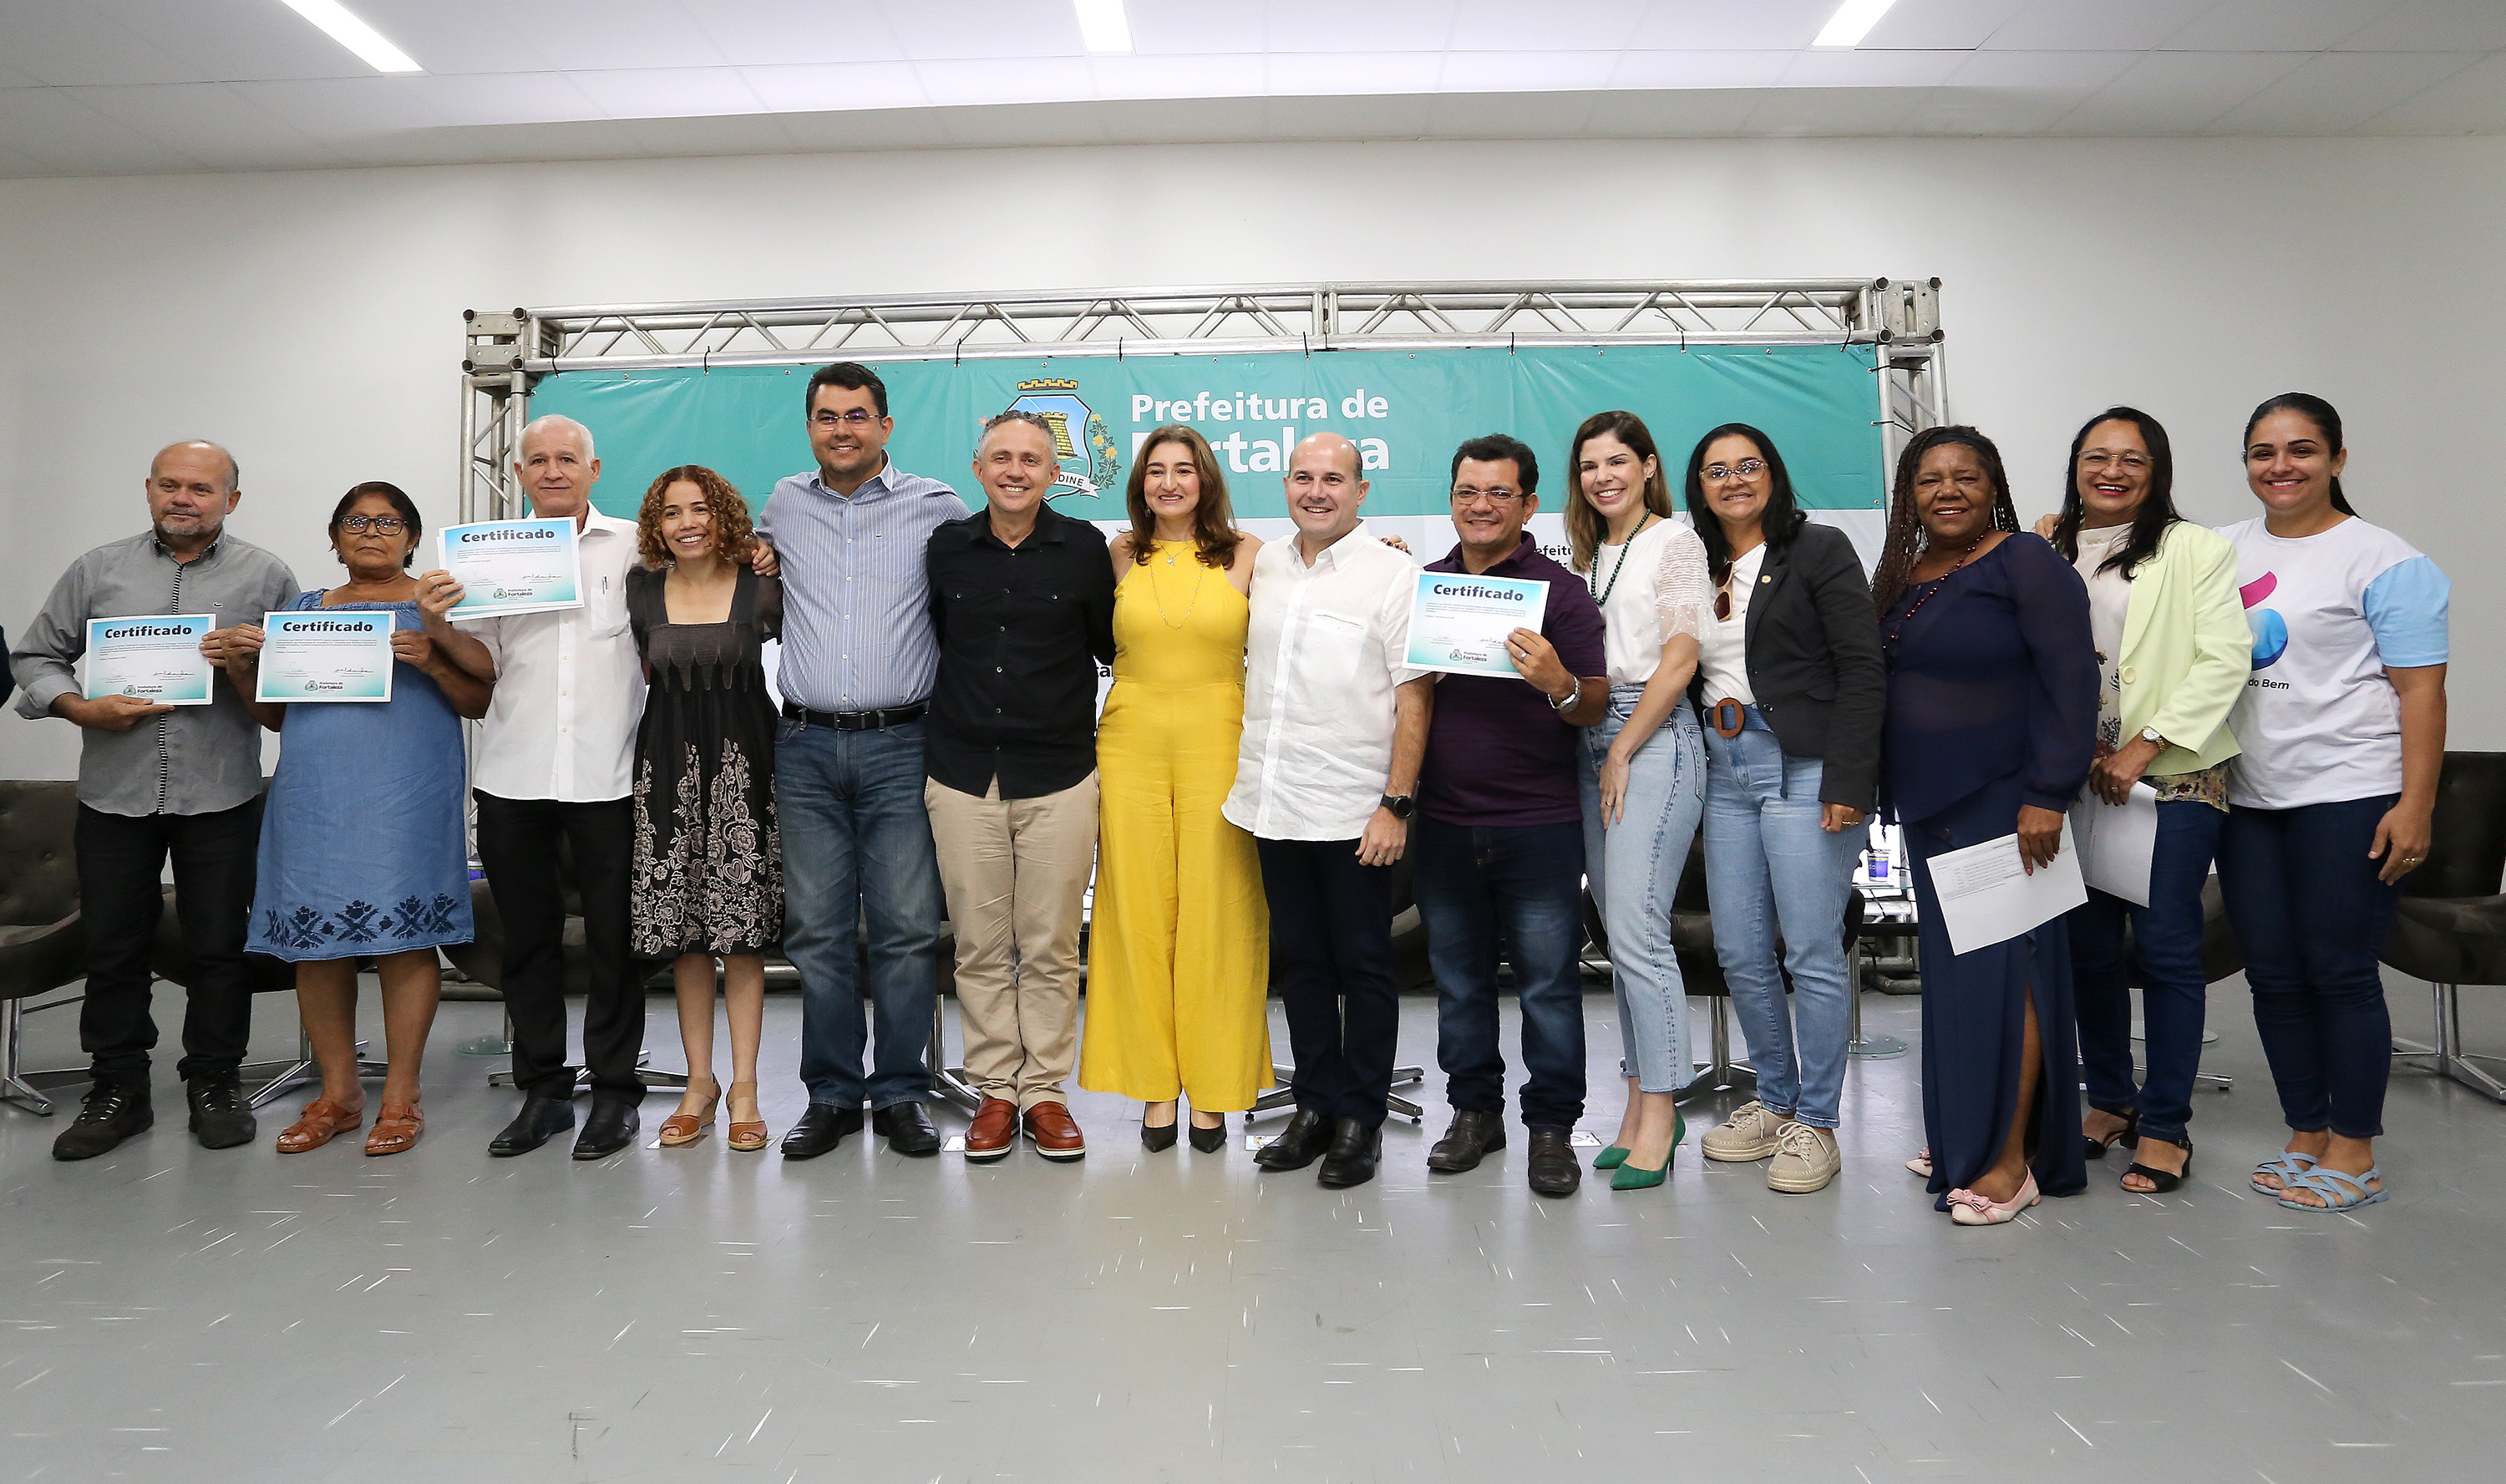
x=708 y=878
x=1643 y=767
x=2173 y=654
x=1792 y=688
x=361 y=846
x=1992 y=706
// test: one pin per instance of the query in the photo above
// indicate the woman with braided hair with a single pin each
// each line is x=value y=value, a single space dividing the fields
x=1992 y=709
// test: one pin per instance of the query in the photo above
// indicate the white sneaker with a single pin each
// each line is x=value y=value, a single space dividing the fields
x=1806 y=1159
x=1749 y=1134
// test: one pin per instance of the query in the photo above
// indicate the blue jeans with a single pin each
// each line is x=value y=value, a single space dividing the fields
x=1634 y=867
x=2167 y=938
x=1773 y=875
x=1523 y=883
x=856 y=849
x=2309 y=915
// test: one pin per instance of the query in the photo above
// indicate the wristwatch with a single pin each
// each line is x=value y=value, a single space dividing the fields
x=2153 y=735
x=1400 y=805
x=1557 y=703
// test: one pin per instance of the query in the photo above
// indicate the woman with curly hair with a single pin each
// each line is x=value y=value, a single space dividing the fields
x=1993 y=711
x=708 y=867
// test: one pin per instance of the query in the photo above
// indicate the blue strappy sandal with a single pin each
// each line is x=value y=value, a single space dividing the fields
x=2284 y=1167
x=2330 y=1184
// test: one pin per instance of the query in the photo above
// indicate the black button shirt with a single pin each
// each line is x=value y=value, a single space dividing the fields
x=1021 y=629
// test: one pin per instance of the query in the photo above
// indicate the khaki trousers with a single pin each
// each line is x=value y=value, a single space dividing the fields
x=1016 y=872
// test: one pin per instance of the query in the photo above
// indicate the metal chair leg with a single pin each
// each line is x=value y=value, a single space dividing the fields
x=1283 y=1092
x=14 y=1088
x=950 y=1083
x=1723 y=1072
x=2448 y=1059
x=304 y=1070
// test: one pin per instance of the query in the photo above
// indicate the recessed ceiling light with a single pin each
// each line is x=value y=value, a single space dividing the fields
x=1853 y=21
x=354 y=34
x=1102 y=25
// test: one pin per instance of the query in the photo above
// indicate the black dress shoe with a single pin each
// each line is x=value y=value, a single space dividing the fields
x=1156 y=1141
x=609 y=1127
x=1552 y=1165
x=112 y=1113
x=907 y=1128
x=822 y=1127
x=221 y=1118
x=1471 y=1135
x=542 y=1117
x=1210 y=1141
x=1299 y=1145
x=1355 y=1151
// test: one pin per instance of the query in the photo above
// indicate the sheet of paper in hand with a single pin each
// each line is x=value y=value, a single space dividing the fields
x=509 y=567
x=1459 y=623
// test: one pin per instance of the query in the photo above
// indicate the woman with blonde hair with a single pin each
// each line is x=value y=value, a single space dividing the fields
x=1178 y=962
x=708 y=878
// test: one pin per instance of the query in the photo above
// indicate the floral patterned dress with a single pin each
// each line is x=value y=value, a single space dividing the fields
x=361 y=848
x=708 y=866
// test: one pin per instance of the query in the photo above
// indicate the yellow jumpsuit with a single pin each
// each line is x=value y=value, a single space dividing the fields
x=1179 y=952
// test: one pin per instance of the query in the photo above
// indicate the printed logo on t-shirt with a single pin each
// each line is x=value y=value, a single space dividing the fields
x=2271 y=630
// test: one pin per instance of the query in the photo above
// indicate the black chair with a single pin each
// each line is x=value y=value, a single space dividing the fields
x=2222 y=957
x=42 y=946
x=2451 y=929
x=169 y=958
x=1691 y=944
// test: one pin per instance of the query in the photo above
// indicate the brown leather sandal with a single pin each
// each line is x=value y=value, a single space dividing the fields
x=396 y=1128
x=685 y=1127
x=747 y=1137
x=318 y=1124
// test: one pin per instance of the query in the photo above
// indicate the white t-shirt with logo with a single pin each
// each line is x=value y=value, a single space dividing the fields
x=2319 y=723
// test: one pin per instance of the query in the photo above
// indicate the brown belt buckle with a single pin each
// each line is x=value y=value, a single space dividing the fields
x=1730 y=718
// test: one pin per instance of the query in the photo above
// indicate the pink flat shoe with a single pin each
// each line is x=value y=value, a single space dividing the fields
x=1968 y=1209
x=1922 y=1164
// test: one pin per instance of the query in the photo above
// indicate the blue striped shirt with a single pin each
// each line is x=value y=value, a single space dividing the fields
x=857 y=630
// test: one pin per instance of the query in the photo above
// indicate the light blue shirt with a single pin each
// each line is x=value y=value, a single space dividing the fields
x=857 y=630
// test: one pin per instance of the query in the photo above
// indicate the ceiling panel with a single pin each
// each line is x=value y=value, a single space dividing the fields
x=1714 y=24
x=2337 y=92
x=1953 y=24
x=767 y=33
x=1357 y=29
x=1822 y=68
x=1504 y=26
x=1792 y=113
x=210 y=124
x=447 y=36
x=2177 y=92
x=345 y=108
x=600 y=34
x=2109 y=26
x=1527 y=72
x=1701 y=69
x=670 y=93
x=2472 y=102
x=1397 y=72
x=75 y=45
x=2434 y=26
x=984 y=28
x=1210 y=77
x=826 y=86
x=2277 y=25
x=1011 y=79
x=50 y=125
x=519 y=98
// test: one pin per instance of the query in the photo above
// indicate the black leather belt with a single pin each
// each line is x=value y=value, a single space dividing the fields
x=856 y=721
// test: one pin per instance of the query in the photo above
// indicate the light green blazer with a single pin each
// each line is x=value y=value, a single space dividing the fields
x=2186 y=648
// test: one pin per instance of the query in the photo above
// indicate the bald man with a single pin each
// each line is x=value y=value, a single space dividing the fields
x=158 y=779
x=1325 y=779
x=553 y=771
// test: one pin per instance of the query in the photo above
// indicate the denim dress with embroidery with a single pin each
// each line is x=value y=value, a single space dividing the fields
x=361 y=844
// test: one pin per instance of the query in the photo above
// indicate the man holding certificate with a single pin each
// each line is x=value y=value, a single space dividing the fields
x=1501 y=820
x=169 y=763
x=552 y=770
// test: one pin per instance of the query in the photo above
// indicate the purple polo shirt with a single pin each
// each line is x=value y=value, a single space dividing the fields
x=1496 y=754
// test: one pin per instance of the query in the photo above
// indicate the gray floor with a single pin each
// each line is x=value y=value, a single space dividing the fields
x=179 y=1314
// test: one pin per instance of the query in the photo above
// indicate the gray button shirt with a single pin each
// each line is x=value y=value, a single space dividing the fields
x=856 y=604
x=192 y=760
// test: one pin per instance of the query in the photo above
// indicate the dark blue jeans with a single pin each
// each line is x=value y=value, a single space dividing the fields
x=1524 y=885
x=2167 y=938
x=857 y=850
x=2311 y=915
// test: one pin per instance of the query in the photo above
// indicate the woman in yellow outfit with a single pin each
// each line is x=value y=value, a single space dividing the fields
x=1179 y=955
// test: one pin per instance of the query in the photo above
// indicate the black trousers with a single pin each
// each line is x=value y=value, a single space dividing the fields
x=120 y=870
x=517 y=844
x=1331 y=944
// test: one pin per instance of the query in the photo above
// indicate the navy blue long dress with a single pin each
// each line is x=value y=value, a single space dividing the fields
x=1993 y=704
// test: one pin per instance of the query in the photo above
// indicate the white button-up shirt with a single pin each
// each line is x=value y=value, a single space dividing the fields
x=1323 y=655
x=569 y=687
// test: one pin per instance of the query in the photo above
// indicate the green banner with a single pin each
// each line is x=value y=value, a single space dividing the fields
x=1406 y=410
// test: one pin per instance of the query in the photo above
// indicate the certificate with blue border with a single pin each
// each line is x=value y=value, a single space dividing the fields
x=152 y=658
x=1459 y=623
x=326 y=654
x=508 y=567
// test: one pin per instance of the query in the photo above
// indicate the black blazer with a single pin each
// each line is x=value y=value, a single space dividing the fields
x=1813 y=661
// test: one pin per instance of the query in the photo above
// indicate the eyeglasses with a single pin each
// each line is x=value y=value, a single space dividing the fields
x=1464 y=496
x=855 y=417
x=2129 y=463
x=1723 y=600
x=1723 y=474
x=380 y=525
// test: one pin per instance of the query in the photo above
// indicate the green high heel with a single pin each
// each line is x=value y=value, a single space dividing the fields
x=1636 y=1177
x=1610 y=1159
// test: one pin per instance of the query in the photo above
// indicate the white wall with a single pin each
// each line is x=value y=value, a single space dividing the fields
x=311 y=320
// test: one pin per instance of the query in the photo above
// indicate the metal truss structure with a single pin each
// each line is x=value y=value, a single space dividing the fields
x=508 y=352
